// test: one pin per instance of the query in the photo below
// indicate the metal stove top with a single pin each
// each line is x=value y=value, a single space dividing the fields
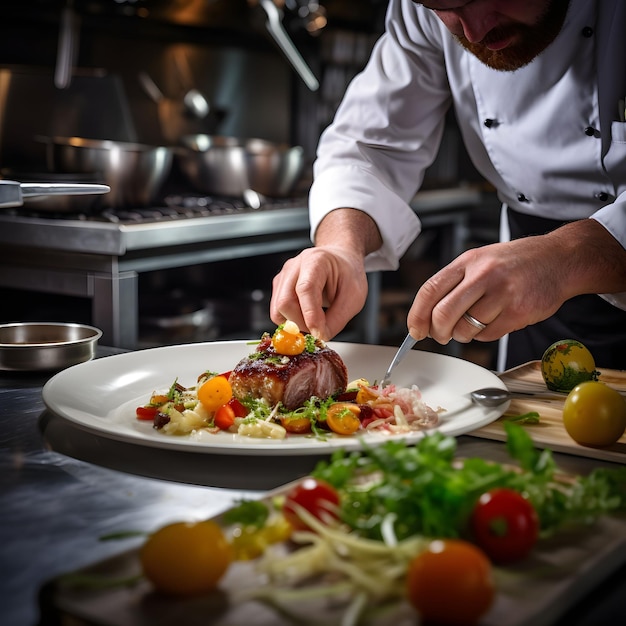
x=181 y=219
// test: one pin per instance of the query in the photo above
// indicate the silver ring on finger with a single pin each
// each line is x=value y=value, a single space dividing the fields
x=470 y=319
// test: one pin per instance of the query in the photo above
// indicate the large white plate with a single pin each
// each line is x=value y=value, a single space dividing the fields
x=101 y=395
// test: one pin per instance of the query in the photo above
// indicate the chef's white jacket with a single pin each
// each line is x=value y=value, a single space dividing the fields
x=547 y=136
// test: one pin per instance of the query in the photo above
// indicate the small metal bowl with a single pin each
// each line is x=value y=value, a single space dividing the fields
x=39 y=346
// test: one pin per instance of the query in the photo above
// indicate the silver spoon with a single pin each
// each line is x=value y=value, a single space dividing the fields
x=494 y=396
x=490 y=396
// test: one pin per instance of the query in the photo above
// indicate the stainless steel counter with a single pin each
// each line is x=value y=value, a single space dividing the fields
x=102 y=260
x=54 y=508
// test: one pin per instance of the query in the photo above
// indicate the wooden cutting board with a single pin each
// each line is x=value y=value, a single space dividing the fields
x=550 y=432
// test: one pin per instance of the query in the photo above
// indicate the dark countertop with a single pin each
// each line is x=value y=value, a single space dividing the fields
x=53 y=507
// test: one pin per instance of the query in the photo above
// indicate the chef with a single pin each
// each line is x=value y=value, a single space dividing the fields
x=538 y=89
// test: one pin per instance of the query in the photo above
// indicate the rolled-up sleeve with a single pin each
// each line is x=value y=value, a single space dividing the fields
x=385 y=134
x=613 y=218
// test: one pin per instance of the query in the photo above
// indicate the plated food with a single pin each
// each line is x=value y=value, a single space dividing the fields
x=290 y=384
x=101 y=398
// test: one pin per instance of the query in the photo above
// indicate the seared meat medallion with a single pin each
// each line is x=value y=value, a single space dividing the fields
x=291 y=380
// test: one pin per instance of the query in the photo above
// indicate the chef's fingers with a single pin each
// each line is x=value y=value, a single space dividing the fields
x=434 y=293
x=345 y=302
x=298 y=292
x=321 y=290
x=463 y=301
x=331 y=289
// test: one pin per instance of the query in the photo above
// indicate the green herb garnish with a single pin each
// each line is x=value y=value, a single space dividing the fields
x=248 y=513
x=310 y=343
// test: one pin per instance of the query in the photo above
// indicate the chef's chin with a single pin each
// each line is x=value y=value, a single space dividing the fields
x=507 y=59
x=526 y=41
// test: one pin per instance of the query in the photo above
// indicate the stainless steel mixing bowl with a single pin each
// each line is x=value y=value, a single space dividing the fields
x=34 y=346
x=135 y=172
x=228 y=166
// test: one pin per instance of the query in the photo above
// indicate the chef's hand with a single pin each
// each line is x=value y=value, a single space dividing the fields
x=324 y=287
x=508 y=286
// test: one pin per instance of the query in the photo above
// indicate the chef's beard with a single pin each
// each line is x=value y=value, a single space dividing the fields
x=529 y=42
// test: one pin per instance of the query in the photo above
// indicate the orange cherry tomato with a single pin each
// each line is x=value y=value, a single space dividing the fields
x=343 y=418
x=288 y=344
x=186 y=558
x=296 y=424
x=450 y=583
x=214 y=393
x=365 y=395
x=158 y=399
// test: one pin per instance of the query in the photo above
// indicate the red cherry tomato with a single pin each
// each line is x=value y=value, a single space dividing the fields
x=505 y=525
x=224 y=417
x=238 y=409
x=315 y=496
x=146 y=412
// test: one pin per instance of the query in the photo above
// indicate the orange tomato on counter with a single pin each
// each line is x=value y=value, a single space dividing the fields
x=450 y=583
x=186 y=558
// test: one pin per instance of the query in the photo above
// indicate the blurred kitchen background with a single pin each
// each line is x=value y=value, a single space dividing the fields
x=150 y=84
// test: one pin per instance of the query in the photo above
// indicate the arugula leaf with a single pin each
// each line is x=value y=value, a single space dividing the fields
x=532 y=417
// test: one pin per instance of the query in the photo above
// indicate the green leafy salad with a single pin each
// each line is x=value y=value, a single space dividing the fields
x=428 y=491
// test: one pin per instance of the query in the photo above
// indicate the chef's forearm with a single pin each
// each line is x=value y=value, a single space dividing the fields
x=349 y=228
x=595 y=260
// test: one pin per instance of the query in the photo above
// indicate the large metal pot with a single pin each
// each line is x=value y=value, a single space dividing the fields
x=228 y=166
x=135 y=172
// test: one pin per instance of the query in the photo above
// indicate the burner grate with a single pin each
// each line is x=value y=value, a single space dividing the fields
x=173 y=207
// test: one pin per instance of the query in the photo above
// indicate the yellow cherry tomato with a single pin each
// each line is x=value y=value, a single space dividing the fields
x=249 y=542
x=215 y=392
x=287 y=343
x=343 y=418
x=594 y=414
x=186 y=558
x=565 y=364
